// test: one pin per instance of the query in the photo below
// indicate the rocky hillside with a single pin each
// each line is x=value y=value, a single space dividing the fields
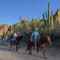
x=57 y=17
x=3 y=29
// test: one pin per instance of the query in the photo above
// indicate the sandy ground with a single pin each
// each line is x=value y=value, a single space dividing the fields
x=7 y=54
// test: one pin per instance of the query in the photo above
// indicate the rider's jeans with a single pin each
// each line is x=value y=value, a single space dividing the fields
x=35 y=42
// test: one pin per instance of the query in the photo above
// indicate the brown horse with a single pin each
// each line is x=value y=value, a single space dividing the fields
x=41 y=44
x=16 y=42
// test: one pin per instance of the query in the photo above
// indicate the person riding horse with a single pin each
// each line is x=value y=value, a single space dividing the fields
x=35 y=37
x=16 y=40
x=42 y=43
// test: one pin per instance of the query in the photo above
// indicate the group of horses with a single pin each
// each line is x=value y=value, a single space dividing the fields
x=44 y=39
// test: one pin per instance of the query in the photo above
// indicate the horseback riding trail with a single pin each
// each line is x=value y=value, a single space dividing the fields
x=22 y=54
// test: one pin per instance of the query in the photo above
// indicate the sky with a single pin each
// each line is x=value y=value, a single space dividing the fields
x=11 y=10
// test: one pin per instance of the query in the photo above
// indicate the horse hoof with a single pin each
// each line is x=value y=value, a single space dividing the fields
x=45 y=57
x=30 y=53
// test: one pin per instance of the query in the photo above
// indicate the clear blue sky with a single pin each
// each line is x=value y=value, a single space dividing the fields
x=11 y=10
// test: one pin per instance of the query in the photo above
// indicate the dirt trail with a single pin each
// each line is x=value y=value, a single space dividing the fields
x=21 y=54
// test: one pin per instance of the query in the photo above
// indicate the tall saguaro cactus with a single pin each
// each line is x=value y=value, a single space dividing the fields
x=49 y=12
x=20 y=24
x=20 y=19
x=49 y=17
x=52 y=20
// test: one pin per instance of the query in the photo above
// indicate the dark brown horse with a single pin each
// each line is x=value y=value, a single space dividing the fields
x=41 y=44
x=16 y=42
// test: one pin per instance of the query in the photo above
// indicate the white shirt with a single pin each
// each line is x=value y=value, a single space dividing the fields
x=15 y=35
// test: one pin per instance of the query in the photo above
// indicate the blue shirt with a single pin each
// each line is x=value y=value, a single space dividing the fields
x=35 y=34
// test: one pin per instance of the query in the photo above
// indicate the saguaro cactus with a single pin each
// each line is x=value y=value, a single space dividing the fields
x=52 y=20
x=49 y=12
x=20 y=19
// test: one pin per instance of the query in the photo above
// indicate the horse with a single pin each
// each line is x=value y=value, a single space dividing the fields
x=41 y=44
x=16 y=42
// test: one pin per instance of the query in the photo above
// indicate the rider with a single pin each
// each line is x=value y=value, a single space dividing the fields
x=35 y=36
x=15 y=35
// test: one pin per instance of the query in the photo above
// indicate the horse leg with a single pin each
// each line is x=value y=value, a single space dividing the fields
x=37 y=49
x=27 y=47
x=43 y=51
x=30 y=47
x=16 y=47
x=30 y=52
